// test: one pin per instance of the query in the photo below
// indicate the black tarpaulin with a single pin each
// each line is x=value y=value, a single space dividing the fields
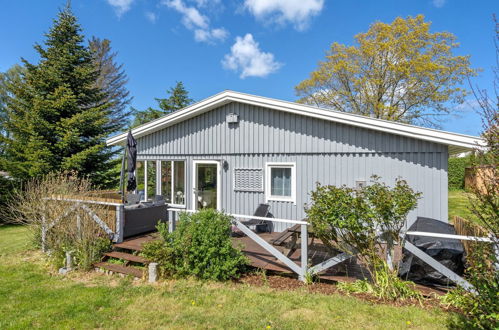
x=449 y=252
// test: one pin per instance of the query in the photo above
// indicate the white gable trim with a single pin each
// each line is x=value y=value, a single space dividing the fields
x=460 y=142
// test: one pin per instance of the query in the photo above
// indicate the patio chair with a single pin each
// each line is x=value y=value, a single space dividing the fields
x=261 y=226
x=159 y=200
x=132 y=199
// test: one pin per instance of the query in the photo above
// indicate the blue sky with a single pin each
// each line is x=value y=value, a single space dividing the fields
x=262 y=47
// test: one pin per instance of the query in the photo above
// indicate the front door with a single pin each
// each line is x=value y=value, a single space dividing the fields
x=206 y=185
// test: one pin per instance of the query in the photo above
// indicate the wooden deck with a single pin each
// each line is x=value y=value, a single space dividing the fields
x=135 y=243
x=260 y=258
x=347 y=271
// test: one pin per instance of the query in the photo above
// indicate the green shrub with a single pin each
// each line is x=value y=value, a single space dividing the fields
x=361 y=221
x=456 y=171
x=163 y=254
x=397 y=288
x=75 y=232
x=200 y=246
x=481 y=308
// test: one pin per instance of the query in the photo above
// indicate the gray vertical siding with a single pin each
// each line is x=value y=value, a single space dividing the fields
x=325 y=152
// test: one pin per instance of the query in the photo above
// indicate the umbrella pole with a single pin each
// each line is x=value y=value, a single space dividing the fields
x=122 y=177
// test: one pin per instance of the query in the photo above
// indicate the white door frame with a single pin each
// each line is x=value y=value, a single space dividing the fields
x=219 y=182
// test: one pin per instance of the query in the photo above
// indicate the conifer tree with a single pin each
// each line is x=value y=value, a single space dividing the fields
x=178 y=98
x=112 y=80
x=6 y=78
x=58 y=118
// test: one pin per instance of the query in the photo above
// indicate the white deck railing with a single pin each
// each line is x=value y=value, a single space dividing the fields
x=303 y=269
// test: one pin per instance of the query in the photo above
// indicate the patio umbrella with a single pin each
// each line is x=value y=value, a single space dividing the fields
x=131 y=152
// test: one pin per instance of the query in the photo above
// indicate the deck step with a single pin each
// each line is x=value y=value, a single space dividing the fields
x=126 y=256
x=120 y=269
x=128 y=246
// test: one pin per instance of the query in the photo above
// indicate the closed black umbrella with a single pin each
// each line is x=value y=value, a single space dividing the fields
x=131 y=152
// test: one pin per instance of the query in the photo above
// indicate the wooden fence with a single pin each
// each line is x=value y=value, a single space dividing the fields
x=480 y=177
x=465 y=227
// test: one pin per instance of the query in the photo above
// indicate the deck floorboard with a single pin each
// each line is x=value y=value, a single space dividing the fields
x=257 y=255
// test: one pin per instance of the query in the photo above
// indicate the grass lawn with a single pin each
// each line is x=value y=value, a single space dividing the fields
x=31 y=297
x=459 y=204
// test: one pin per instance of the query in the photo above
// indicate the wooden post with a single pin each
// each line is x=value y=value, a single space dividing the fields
x=69 y=261
x=304 y=251
x=44 y=230
x=153 y=272
x=44 y=234
x=78 y=225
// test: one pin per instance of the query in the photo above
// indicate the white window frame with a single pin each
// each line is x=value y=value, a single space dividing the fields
x=268 y=168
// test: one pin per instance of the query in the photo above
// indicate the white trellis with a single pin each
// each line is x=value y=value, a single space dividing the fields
x=80 y=204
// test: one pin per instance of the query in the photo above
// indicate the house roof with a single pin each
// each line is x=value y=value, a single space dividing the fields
x=457 y=142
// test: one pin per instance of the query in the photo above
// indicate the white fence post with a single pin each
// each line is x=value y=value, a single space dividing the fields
x=496 y=250
x=389 y=251
x=304 y=251
x=171 y=221
x=120 y=223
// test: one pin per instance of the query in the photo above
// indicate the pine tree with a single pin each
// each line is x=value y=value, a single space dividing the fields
x=178 y=99
x=10 y=76
x=112 y=80
x=58 y=118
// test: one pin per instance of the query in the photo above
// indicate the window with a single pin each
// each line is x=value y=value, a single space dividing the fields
x=164 y=177
x=141 y=179
x=280 y=182
x=179 y=182
x=151 y=179
x=173 y=181
x=166 y=180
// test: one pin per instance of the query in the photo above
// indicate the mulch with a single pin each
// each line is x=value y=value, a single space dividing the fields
x=329 y=287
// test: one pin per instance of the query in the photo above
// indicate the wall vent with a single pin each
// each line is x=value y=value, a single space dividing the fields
x=248 y=179
x=232 y=118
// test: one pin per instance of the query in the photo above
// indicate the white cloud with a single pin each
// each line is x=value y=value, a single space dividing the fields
x=439 y=3
x=247 y=58
x=120 y=6
x=210 y=35
x=199 y=23
x=297 y=12
x=205 y=3
x=469 y=104
x=191 y=16
x=152 y=17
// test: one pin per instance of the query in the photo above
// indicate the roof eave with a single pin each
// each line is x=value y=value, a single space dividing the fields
x=459 y=141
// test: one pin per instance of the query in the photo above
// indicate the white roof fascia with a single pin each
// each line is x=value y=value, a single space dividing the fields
x=463 y=142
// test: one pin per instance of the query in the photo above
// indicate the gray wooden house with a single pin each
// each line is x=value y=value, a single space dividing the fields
x=233 y=151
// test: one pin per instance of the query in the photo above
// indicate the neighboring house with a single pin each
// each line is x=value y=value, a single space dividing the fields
x=233 y=151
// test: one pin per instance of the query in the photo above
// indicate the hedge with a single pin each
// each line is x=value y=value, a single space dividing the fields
x=456 y=171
